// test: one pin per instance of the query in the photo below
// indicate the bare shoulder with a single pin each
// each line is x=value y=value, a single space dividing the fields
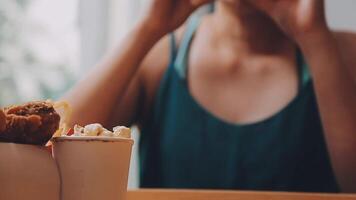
x=347 y=46
x=345 y=34
x=347 y=43
x=157 y=61
x=154 y=66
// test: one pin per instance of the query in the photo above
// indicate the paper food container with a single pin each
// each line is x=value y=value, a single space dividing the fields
x=93 y=168
x=27 y=172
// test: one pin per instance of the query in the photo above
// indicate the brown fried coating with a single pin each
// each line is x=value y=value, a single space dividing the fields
x=31 y=123
x=2 y=121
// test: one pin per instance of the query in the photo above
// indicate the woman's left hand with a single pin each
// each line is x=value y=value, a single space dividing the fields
x=297 y=18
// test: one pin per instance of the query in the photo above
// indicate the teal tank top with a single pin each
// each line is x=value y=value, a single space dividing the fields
x=184 y=146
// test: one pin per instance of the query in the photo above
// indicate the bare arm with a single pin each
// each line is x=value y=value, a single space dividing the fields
x=94 y=98
x=333 y=70
x=332 y=62
x=135 y=103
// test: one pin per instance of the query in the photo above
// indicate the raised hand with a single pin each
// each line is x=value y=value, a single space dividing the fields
x=297 y=18
x=164 y=16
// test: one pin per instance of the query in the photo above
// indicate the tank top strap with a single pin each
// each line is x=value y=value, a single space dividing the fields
x=303 y=70
x=173 y=47
x=180 y=63
x=179 y=55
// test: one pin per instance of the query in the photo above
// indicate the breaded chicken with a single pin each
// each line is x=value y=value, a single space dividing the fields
x=31 y=123
x=2 y=120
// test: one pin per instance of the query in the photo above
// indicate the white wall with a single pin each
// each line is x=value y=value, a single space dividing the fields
x=341 y=14
x=93 y=23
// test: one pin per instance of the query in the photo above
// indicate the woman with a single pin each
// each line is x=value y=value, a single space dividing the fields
x=259 y=95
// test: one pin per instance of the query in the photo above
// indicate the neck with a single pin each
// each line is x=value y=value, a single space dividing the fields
x=248 y=28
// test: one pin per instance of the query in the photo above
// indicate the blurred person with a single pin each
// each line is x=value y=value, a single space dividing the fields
x=258 y=95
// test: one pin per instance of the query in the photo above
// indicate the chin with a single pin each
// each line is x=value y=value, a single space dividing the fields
x=233 y=2
x=230 y=1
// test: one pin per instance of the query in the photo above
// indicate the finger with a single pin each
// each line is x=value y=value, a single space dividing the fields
x=317 y=6
x=198 y=3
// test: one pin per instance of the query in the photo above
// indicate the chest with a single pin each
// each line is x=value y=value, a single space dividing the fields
x=241 y=89
x=194 y=144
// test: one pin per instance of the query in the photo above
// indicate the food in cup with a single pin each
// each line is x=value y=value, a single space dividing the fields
x=97 y=130
x=2 y=121
x=29 y=123
x=83 y=151
x=79 y=155
x=29 y=171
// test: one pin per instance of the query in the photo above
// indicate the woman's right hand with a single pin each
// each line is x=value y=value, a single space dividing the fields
x=165 y=16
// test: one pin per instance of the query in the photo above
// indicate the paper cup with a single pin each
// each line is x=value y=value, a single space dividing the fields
x=93 y=168
x=27 y=172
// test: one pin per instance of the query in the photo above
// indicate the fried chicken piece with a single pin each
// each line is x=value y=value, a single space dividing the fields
x=31 y=123
x=2 y=121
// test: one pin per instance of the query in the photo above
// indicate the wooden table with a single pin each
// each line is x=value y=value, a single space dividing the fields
x=229 y=195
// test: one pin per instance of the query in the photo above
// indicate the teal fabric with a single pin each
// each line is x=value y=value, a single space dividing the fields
x=184 y=146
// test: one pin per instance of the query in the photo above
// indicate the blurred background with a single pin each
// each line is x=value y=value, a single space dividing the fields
x=45 y=46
